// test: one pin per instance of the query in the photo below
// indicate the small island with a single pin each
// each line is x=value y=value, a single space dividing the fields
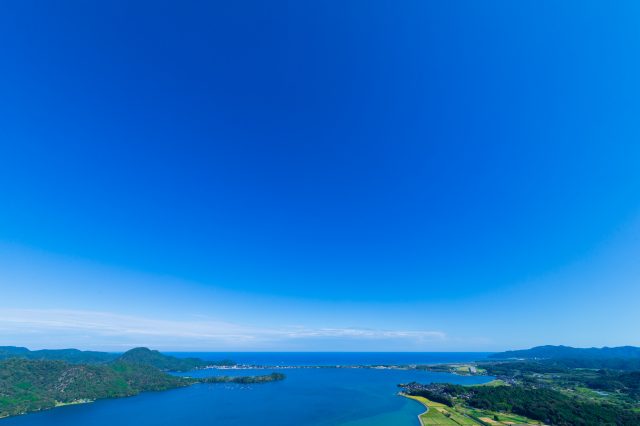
x=39 y=380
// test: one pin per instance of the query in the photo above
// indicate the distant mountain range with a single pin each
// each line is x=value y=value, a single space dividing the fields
x=73 y=356
x=567 y=352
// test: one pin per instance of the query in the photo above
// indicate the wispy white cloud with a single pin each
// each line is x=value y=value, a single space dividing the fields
x=70 y=327
x=365 y=333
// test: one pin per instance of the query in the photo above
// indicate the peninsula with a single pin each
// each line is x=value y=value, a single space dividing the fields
x=555 y=385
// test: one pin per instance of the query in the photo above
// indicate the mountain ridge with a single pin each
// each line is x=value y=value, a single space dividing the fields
x=569 y=352
x=73 y=356
x=146 y=356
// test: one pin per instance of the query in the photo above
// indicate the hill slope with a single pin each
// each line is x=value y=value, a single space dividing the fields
x=567 y=352
x=36 y=384
x=141 y=356
x=73 y=356
x=145 y=356
x=30 y=385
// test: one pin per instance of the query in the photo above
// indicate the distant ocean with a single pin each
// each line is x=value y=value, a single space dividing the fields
x=310 y=397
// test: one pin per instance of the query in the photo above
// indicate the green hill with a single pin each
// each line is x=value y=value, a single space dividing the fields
x=134 y=356
x=30 y=385
x=568 y=352
x=145 y=356
x=73 y=356
x=36 y=384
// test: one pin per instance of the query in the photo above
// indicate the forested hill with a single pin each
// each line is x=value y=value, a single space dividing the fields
x=567 y=352
x=134 y=356
x=30 y=385
x=73 y=356
x=145 y=356
x=37 y=384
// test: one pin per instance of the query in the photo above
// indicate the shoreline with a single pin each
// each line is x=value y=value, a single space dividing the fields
x=459 y=369
x=76 y=402
x=58 y=404
x=419 y=400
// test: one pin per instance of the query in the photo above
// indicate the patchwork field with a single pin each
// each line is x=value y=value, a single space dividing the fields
x=438 y=414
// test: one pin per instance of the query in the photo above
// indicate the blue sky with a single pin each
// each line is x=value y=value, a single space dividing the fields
x=319 y=175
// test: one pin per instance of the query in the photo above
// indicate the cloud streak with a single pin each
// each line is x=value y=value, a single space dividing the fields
x=69 y=327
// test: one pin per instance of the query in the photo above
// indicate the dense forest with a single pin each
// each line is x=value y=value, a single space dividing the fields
x=273 y=377
x=28 y=385
x=568 y=352
x=145 y=356
x=134 y=356
x=73 y=356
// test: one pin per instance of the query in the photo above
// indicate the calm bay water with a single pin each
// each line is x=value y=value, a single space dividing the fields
x=308 y=396
x=339 y=358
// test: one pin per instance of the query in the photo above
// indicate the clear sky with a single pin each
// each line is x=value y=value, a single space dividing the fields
x=319 y=175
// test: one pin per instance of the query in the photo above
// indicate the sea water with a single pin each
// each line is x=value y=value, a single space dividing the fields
x=308 y=396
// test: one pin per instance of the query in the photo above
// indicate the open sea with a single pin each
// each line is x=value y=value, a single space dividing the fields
x=308 y=396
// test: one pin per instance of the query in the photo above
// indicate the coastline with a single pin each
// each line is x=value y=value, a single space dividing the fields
x=76 y=402
x=459 y=369
x=422 y=401
x=56 y=405
x=440 y=414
